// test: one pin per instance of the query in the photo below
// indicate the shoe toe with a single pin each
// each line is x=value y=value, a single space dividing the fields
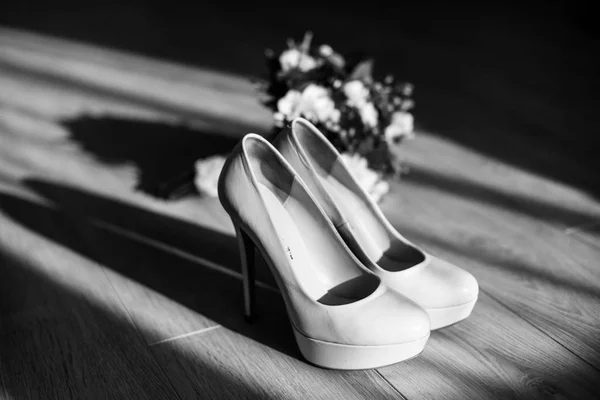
x=450 y=285
x=393 y=319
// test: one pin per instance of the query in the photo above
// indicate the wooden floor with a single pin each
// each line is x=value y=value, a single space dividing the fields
x=108 y=292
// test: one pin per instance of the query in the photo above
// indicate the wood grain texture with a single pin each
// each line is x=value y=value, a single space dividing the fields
x=162 y=85
x=137 y=271
x=140 y=248
x=63 y=332
x=523 y=259
x=187 y=230
x=128 y=234
x=587 y=232
x=232 y=366
x=493 y=354
x=473 y=176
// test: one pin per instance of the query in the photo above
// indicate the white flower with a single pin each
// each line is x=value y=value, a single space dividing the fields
x=294 y=58
x=288 y=104
x=325 y=50
x=356 y=92
x=379 y=190
x=317 y=106
x=307 y=63
x=314 y=103
x=368 y=114
x=368 y=179
x=402 y=125
x=207 y=174
x=358 y=95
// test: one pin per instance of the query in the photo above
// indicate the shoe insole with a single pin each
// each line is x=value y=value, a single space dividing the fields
x=389 y=253
x=312 y=254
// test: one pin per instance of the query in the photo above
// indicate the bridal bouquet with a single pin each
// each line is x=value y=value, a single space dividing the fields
x=362 y=117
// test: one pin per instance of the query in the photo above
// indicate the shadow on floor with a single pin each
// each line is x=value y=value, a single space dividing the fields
x=514 y=81
x=569 y=159
x=531 y=205
x=511 y=265
x=160 y=152
x=178 y=234
x=213 y=294
x=530 y=286
x=73 y=347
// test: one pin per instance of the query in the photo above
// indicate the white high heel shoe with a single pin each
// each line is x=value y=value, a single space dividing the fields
x=447 y=292
x=343 y=317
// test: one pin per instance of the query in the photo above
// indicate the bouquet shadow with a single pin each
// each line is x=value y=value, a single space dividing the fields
x=163 y=154
x=213 y=294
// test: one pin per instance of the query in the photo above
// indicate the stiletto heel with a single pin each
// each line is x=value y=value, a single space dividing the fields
x=246 y=248
x=341 y=314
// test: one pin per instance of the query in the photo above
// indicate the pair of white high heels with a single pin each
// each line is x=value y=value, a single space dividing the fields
x=358 y=294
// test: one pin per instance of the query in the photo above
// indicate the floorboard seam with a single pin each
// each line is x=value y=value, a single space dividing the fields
x=540 y=330
x=178 y=252
x=185 y=335
x=140 y=335
x=394 y=388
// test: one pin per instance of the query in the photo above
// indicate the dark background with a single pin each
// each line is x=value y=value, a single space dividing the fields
x=517 y=81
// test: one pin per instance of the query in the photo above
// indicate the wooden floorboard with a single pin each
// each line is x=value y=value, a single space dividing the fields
x=494 y=354
x=140 y=247
x=82 y=355
x=228 y=365
x=144 y=294
x=63 y=331
x=524 y=260
x=588 y=233
x=160 y=85
x=134 y=236
x=477 y=178
x=140 y=273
